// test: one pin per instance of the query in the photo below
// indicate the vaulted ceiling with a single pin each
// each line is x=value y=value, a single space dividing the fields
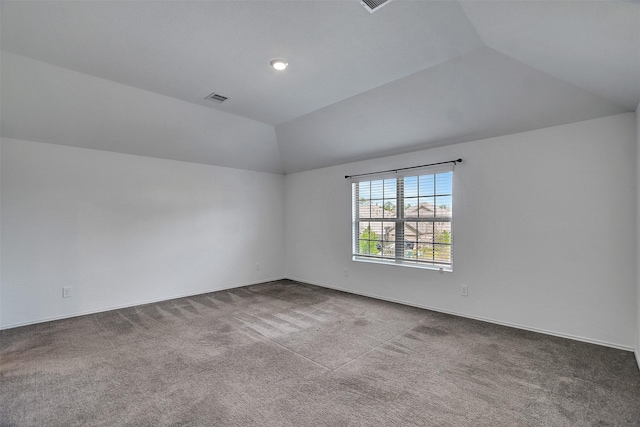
x=412 y=75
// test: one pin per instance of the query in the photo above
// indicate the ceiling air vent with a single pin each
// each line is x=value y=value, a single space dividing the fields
x=216 y=97
x=373 y=5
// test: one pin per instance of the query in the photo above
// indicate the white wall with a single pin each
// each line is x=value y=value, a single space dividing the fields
x=544 y=231
x=124 y=229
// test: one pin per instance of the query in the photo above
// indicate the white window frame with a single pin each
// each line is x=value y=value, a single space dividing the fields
x=400 y=220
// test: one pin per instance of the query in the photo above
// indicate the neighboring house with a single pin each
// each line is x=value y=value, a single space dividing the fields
x=382 y=229
x=414 y=231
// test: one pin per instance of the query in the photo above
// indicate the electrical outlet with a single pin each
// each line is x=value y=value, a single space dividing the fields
x=464 y=291
x=346 y=273
x=66 y=292
x=257 y=266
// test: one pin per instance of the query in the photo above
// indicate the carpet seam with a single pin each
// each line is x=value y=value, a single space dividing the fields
x=285 y=347
x=369 y=351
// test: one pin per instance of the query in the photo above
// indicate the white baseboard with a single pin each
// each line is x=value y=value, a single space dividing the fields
x=117 y=307
x=426 y=307
x=483 y=319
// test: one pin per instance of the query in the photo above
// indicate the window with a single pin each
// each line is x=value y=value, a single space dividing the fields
x=405 y=219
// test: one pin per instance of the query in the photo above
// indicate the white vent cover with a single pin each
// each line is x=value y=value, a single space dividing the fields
x=373 y=5
x=216 y=97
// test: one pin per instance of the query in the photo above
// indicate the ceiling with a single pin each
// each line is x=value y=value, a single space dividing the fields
x=412 y=75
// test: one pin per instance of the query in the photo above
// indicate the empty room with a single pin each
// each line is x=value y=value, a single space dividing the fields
x=319 y=213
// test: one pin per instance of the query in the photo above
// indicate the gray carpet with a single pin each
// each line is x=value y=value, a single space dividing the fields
x=288 y=354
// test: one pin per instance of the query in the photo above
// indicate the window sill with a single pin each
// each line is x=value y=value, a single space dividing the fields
x=439 y=268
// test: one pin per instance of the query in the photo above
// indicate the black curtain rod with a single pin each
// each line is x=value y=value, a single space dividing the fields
x=403 y=169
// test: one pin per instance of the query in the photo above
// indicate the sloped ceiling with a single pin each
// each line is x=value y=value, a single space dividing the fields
x=414 y=74
x=478 y=95
x=45 y=103
x=594 y=45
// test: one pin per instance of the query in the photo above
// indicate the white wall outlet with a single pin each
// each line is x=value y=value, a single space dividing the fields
x=66 y=292
x=346 y=273
x=464 y=290
x=257 y=266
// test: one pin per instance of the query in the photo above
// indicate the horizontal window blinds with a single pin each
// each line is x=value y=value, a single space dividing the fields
x=406 y=218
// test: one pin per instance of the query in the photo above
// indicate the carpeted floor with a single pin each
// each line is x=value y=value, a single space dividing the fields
x=288 y=354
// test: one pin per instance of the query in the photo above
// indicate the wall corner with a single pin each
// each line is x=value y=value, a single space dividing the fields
x=637 y=351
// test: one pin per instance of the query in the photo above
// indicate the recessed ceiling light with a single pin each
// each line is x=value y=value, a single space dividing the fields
x=279 y=64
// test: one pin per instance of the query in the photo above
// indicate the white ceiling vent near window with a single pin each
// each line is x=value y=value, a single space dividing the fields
x=373 y=5
x=215 y=97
